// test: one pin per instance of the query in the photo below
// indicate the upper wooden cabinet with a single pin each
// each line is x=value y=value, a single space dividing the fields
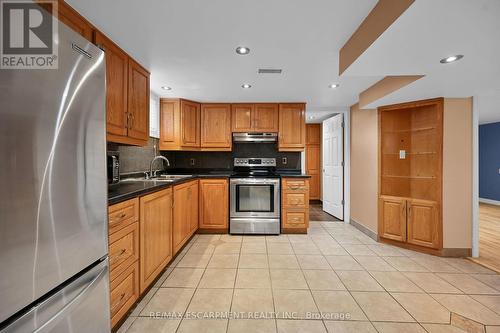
x=259 y=117
x=292 y=127
x=241 y=119
x=265 y=118
x=216 y=126
x=138 y=101
x=75 y=21
x=127 y=95
x=214 y=204
x=313 y=134
x=179 y=124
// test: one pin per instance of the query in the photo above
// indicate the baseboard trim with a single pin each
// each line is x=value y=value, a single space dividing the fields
x=456 y=252
x=370 y=233
x=489 y=201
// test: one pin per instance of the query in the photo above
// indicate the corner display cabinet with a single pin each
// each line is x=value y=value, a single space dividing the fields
x=410 y=174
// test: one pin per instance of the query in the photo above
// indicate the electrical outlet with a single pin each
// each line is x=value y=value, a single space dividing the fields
x=284 y=160
x=192 y=161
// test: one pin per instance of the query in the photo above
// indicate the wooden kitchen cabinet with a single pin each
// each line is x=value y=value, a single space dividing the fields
x=265 y=117
x=185 y=213
x=214 y=205
x=423 y=223
x=410 y=184
x=127 y=95
x=294 y=205
x=313 y=160
x=216 y=127
x=155 y=235
x=138 y=102
x=179 y=124
x=75 y=21
x=124 y=292
x=392 y=215
x=241 y=117
x=124 y=248
x=292 y=127
x=257 y=117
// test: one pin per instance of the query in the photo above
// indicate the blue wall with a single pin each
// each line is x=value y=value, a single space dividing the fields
x=489 y=161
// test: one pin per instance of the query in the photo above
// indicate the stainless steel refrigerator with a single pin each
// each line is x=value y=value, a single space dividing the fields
x=53 y=194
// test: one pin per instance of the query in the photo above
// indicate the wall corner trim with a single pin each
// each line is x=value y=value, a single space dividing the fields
x=370 y=233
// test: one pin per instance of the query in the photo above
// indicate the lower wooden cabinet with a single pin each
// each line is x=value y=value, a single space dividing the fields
x=294 y=205
x=411 y=221
x=185 y=213
x=123 y=249
x=423 y=223
x=124 y=292
x=392 y=214
x=155 y=235
x=214 y=204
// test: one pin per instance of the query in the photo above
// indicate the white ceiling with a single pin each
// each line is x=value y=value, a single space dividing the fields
x=190 y=46
x=429 y=31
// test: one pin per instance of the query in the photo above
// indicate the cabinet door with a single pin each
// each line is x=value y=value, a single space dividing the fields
x=423 y=223
x=313 y=134
x=265 y=118
x=190 y=124
x=241 y=117
x=116 y=86
x=169 y=124
x=292 y=127
x=138 y=102
x=214 y=203
x=193 y=199
x=181 y=216
x=313 y=169
x=216 y=126
x=155 y=235
x=392 y=219
x=75 y=21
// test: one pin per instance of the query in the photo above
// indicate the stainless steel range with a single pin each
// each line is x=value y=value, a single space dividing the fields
x=255 y=197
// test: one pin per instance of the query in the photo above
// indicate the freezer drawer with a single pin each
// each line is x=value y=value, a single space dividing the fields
x=80 y=307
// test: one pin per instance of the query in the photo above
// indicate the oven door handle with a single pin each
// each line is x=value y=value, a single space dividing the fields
x=255 y=182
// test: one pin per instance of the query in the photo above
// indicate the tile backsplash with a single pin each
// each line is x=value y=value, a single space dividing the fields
x=136 y=159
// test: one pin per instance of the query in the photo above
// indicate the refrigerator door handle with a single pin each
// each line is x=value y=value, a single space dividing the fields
x=73 y=302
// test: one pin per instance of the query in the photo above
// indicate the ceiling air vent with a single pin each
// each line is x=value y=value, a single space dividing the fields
x=269 y=71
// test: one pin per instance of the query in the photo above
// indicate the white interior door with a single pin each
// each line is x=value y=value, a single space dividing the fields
x=333 y=169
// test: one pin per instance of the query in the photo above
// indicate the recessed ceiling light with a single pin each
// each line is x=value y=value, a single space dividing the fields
x=311 y=117
x=333 y=85
x=452 y=58
x=242 y=50
x=166 y=88
x=246 y=86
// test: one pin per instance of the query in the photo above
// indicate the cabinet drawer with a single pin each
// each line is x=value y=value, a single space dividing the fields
x=295 y=219
x=123 y=249
x=124 y=292
x=295 y=184
x=122 y=214
x=295 y=200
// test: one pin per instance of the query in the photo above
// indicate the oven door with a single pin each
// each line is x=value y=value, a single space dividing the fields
x=255 y=197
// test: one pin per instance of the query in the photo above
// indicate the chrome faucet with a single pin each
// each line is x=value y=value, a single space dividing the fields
x=158 y=157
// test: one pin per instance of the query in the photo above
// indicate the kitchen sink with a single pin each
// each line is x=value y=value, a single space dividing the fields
x=159 y=179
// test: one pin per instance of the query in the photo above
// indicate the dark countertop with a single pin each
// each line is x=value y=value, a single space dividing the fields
x=130 y=189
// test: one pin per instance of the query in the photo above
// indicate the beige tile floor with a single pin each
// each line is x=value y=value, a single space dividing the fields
x=335 y=279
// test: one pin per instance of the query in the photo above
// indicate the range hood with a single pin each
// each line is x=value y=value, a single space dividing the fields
x=255 y=137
